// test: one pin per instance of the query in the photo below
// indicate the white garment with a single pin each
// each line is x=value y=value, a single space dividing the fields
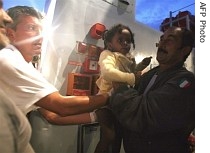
x=15 y=130
x=21 y=81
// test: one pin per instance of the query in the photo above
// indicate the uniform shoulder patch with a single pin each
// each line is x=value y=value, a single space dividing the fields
x=184 y=83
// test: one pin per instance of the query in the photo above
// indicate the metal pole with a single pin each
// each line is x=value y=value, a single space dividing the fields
x=170 y=14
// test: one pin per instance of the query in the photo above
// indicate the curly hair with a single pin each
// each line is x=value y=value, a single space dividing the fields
x=118 y=28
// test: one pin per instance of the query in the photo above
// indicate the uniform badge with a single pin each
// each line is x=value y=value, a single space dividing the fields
x=184 y=83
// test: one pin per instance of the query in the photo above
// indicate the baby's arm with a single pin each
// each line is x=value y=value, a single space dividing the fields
x=110 y=72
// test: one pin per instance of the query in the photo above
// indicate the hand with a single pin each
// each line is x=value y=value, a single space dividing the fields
x=146 y=61
x=103 y=96
x=138 y=75
x=143 y=64
x=48 y=115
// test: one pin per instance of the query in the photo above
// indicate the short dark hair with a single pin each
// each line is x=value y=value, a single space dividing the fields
x=188 y=39
x=17 y=11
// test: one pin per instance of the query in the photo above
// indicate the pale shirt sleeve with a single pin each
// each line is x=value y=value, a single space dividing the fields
x=15 y=130
x=110 y=72
x=23 y=83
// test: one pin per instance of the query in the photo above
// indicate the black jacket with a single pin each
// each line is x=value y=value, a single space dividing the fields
x=161 y=120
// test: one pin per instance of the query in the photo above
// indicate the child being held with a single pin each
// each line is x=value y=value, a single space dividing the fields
x=116 y=65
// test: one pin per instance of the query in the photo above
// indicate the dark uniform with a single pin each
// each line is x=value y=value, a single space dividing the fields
x=161 y=120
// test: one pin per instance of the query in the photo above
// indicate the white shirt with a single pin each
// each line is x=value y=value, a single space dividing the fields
x=15 y=130
x=21 y=81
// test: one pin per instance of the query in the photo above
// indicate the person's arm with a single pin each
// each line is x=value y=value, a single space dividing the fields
x=54 y=118
x=166 y=108
x=109 y=71
x=70 y=105
x=36 y=90
x=15 y=129
x=8 y=134
x=143 y=64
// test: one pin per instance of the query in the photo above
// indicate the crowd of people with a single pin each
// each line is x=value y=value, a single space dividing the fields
x=154 y=111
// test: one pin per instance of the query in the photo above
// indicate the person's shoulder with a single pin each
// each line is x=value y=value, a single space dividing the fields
x=6 y=57
x=7 y=51
x=106 y=53
x=183 y=78
x=183 y=71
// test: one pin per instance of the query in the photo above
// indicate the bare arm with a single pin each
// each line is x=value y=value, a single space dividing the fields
x=67 y=120
x=70 y=105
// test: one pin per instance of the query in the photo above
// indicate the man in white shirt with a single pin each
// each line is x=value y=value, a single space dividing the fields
x=25 y=85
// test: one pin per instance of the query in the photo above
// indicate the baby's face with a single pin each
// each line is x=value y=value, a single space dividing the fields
x=121 y=42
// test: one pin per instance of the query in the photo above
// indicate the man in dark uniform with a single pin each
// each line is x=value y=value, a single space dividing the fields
x=159 y=115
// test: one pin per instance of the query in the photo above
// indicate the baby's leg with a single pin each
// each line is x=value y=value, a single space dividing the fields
x=116 y=145
x=107 y=135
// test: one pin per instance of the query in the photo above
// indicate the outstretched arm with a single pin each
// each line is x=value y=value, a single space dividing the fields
x=71 y=105
x=54 y=118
